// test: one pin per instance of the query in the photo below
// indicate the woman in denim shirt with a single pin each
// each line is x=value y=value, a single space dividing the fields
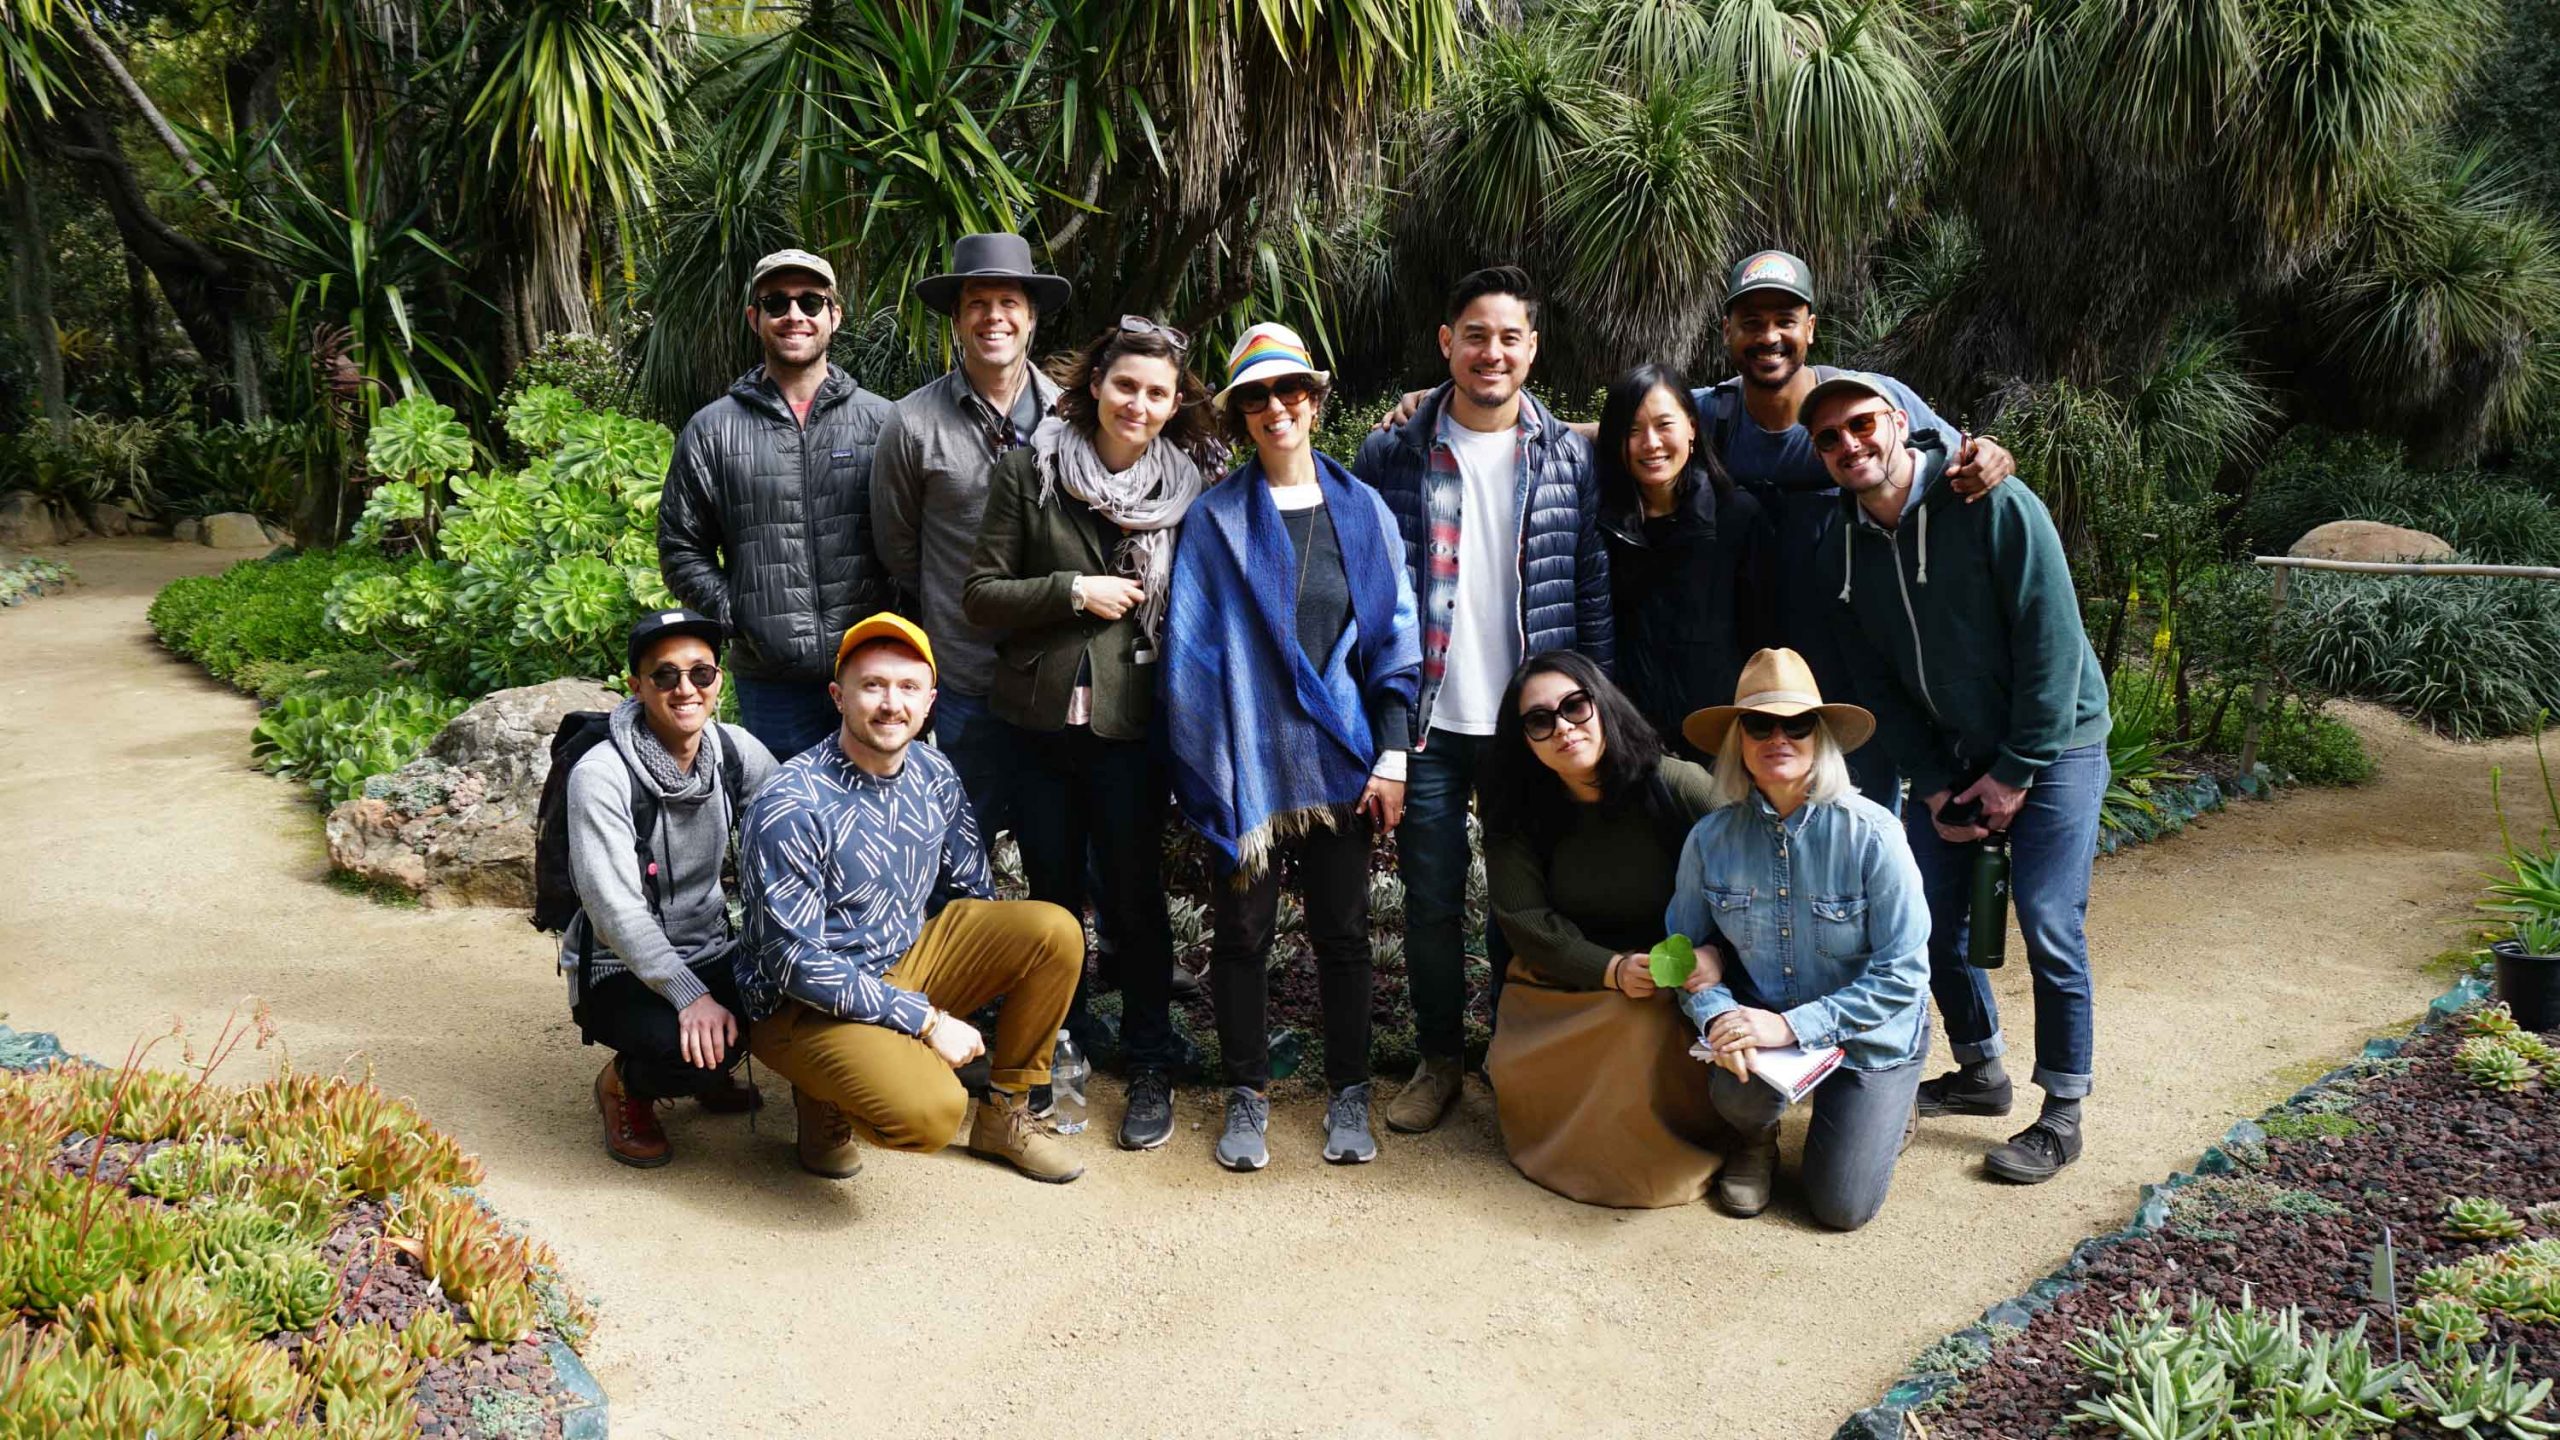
x=1814 y=887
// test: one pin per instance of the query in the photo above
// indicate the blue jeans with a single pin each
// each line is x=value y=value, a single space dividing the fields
x=2051 y=844
x=987 y=754
x=1431 y=850
x=789 y=716
x=1096 y=807
x=1855 y=1139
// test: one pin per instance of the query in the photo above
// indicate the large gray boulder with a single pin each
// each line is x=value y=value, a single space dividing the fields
x=234 y=530
x=26 y=522
x=2369 y=540
x=109 y=519
x=455 y=826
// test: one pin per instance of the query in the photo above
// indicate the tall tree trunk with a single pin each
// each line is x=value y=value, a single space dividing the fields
x=246 y=382
x=137 y=285
x=33 y=296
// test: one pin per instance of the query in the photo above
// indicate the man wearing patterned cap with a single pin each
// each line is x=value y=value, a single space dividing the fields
x=765 y=521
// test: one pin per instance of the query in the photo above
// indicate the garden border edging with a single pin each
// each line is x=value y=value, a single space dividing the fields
x=1918 y=1387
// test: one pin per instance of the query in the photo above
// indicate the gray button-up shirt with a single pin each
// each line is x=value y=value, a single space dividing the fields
x=928 y=496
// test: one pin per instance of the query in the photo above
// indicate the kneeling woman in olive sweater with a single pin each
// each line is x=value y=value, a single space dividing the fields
x=1584 y=820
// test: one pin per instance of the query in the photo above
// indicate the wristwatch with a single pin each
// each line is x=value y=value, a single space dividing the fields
x=1075 y=594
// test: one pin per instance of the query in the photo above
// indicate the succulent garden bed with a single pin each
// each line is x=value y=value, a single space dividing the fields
x=301 y=1259
x=29 y=576
x=2380 y=1256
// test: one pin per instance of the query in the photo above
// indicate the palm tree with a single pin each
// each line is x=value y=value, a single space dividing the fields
x=1633 y=146
x=575 y=110
x=2125 y=162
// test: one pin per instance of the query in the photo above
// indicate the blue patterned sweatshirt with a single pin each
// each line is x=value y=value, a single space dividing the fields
x=839 y=867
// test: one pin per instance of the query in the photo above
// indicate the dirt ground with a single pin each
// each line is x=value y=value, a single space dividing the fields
x=146 y=872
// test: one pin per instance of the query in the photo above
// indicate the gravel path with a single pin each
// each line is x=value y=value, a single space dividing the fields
x=148 y=872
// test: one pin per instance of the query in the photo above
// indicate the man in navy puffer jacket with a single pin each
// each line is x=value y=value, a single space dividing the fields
x=1500 y=518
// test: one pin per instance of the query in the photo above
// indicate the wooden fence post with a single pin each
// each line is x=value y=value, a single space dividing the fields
x=2266 y=683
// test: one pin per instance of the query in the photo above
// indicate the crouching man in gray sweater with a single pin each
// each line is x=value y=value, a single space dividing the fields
x=662 y=993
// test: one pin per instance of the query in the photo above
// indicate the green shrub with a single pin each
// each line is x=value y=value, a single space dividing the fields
x=256 y=468
x=2315 y=478
x=533 y=573
x=266 y=609
x=335 y=745
x=2472 y=657
x=586 y=366
x=2300 y=744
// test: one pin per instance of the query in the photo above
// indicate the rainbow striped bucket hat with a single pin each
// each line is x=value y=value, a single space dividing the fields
x=1264 y=354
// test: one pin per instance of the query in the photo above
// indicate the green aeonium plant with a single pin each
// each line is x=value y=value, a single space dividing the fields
x=2480 y=1217
x=2488 y=1062
x=532 y=573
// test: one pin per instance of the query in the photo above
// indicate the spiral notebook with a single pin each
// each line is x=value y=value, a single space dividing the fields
x=1791 y=1070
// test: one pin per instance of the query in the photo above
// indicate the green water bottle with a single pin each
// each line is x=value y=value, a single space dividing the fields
x=1987 y=925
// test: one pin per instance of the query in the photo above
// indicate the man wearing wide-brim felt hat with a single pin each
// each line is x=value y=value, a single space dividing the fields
x=992 y=257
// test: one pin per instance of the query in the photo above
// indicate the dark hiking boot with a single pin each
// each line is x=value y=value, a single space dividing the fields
x=1958 y=1092
x=631 y=1133
x=729 y=1095
x=1749 y=1176
x=1148 y=1122
x=2035 y=1154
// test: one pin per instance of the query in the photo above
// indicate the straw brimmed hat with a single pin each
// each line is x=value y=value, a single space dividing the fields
x=1777 y=682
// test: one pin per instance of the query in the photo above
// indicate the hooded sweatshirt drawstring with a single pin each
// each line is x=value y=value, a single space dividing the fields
x=1924 y=542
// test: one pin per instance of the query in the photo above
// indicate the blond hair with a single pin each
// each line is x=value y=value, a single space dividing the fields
x=1732 y=783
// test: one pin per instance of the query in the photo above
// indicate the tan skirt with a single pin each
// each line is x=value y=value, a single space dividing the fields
x=1599 y=1099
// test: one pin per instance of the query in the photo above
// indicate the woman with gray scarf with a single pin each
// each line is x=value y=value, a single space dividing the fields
x=1070 y=573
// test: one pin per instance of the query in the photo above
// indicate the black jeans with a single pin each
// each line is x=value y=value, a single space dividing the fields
x=637 y=1023
x=1081 y=793
x=1333 y=882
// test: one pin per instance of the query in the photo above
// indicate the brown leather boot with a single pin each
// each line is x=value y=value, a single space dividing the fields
x=729 y=1095
x=1004 y=1130
x=1426 y=1098
x=631 y=1133
x=827 y=1146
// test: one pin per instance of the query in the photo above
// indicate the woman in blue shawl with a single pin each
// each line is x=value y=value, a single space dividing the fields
x=1293 y=654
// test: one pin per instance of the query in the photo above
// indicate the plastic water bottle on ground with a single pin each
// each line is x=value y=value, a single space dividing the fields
x=1068 y=1073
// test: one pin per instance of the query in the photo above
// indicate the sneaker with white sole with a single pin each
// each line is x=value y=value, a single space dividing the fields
x=1248 y=1117
x=1347 y=1140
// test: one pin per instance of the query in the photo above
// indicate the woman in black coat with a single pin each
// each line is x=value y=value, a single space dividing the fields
x=1688 y=552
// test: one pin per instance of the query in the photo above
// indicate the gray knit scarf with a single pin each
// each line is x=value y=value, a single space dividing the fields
x=674 y=782
x=1147 y=500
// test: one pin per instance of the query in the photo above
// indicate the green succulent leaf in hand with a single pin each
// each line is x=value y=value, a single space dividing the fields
x=1672 y=962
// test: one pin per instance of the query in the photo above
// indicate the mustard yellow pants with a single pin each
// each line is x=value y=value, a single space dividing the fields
x=899 y=1093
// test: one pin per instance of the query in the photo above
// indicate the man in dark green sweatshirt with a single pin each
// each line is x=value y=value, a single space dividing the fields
x=1963 y=633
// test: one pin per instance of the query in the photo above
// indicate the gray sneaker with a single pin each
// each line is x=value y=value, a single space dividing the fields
x=1248 y=1115
x=1347 y=1140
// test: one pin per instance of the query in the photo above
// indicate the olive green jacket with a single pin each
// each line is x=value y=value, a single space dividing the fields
x=1028 y=556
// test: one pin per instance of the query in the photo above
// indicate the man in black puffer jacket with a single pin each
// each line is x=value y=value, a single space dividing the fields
x=1501 y=528
x=765 y=522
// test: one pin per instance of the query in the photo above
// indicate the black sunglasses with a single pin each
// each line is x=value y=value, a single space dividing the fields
x=1798 y=727
x=811 y=302
x=668 y=677
x=1141 y=325
x=1575 y=708
x=1288 y=390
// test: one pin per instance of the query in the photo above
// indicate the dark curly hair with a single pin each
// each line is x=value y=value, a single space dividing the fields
x=1190 y=430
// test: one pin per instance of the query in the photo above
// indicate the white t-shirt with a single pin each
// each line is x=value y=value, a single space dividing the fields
x=1484 y=634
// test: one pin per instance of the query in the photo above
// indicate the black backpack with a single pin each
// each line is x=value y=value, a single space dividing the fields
x=555 y=894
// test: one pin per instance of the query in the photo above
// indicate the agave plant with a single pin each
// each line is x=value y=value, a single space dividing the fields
x=165 y=1312
x=433 y=1335
x=358 y=1366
